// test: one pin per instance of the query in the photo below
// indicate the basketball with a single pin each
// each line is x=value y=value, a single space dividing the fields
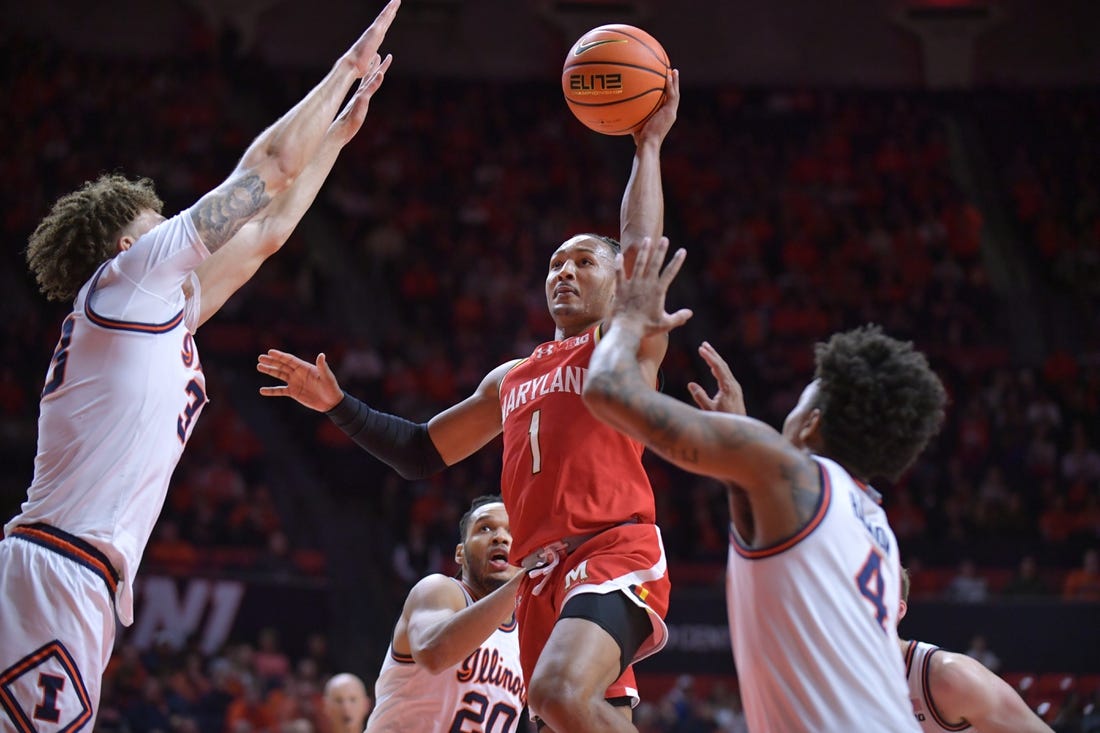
x=614 y=78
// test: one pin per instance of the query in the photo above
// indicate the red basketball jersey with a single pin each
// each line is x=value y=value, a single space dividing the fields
x=565 y=473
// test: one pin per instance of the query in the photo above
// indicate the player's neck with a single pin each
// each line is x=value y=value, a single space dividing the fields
x=564 y=332
x=475 y=590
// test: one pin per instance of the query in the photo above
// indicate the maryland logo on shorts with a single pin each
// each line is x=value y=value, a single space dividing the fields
x=43 y=691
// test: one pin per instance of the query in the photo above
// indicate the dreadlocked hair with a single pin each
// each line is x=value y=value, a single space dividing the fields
x=880 y=402
x=79 y=233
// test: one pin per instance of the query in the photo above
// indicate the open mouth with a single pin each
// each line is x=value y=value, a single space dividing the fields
x=498 y=560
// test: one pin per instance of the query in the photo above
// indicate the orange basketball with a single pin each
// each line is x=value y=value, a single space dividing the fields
x=614 y=78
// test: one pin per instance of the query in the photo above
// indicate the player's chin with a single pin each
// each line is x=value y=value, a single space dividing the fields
x=498 y=578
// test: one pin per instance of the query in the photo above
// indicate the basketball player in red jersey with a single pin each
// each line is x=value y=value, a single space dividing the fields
x=580 y=503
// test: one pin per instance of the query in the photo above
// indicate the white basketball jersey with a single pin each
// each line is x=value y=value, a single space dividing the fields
x=485 y=693
x=918 y=659
x=121 y=396
x=812 y=619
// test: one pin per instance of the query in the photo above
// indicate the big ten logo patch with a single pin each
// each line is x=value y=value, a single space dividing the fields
x=578 y=574
x=174 y=610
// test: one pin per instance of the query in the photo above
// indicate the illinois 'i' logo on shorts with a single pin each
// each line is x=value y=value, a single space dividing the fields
x=44 y=691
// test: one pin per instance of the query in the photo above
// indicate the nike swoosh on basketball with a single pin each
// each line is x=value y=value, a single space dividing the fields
x=582 y=47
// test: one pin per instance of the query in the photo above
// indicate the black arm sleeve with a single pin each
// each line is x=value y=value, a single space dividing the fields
x=405 y=446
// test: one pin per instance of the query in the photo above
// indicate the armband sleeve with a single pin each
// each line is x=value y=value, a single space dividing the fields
x=405 y=446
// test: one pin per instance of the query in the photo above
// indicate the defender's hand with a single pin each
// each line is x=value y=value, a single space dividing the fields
x=728 y=397
x=640 y=296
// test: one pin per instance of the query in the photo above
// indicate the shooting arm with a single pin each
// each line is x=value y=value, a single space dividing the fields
x=642 y=213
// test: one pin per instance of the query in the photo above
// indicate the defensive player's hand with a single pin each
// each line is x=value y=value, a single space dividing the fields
x=351 y=117
x=728 y=397
x=313 y=385
x=364 y=51
x=640 y=296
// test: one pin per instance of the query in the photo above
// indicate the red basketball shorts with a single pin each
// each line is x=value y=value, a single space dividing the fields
x=628 y=559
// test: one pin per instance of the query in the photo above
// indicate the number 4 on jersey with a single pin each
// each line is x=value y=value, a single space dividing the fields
x=872 y=586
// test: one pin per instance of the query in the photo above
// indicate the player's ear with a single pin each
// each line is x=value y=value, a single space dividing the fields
x=125 y=242
x=460 y=555
x=902 y=608
x=808 y=432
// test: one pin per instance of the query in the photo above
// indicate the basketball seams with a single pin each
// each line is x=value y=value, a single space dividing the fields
x=646 y=46
x=615 y=60
x=617 y=65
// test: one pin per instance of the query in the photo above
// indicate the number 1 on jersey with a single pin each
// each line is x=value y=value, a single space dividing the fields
x=536 y=452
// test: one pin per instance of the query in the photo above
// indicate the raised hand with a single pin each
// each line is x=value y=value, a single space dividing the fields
x=363 y=54
x=728 y=397
x=640 y=296
x=660 y=122
x=313 y=385
x=351 y=117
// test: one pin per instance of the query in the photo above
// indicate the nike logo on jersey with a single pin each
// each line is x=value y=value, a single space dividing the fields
x=584 y=47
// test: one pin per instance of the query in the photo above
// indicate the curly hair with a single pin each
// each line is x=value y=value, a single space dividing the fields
x=79 y=233
x=880 y=402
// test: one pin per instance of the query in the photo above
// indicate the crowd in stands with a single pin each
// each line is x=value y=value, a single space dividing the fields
x=803 y=213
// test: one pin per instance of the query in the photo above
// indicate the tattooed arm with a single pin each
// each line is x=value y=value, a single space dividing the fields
x=275 y=160
x=223 y=273
x=779 y=481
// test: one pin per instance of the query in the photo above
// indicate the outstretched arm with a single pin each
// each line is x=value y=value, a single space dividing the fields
x=278 y=156
x=729 y=447
x=233 y=265
x=642 y=213
x=963 y=689
x=441 y=630
x=414 y=450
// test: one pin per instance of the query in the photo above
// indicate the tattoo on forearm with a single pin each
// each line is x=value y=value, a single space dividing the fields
x=804 y=488
x=221 y=213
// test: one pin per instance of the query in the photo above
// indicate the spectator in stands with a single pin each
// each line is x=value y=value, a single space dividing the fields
x=1082 y=462
x=270 y=664
x=967 y=586
x=1083 y=584
x=416 y=556
x=346 y=704
x=1027 y=582
x=979 y=650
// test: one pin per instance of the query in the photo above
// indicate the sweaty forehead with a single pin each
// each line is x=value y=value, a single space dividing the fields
x=492 y=510
x=582 y=244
